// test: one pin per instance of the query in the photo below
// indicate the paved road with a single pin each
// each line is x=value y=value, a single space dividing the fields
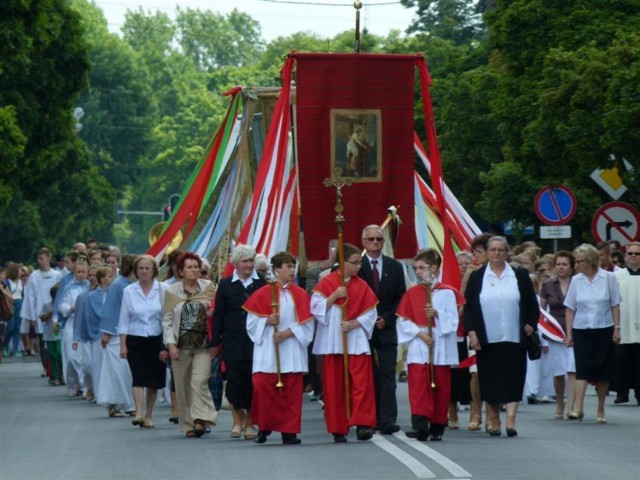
x=45 y=435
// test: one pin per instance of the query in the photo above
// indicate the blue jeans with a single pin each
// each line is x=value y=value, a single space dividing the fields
x=12 y=332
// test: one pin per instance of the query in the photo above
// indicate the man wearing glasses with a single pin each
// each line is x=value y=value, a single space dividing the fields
x=385 y=276
x=627 y=371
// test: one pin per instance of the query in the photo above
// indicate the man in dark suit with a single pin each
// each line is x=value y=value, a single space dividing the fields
x=385 y=276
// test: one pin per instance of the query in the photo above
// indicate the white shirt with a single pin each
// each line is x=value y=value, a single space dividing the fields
x=37 y=295
x=15 y=288
x=140 y=315
x=630 y=308
x=329 y=333
x=591 y=301
x=245 y=282
x=293 y=350
x=500 y=304
x=445 y=345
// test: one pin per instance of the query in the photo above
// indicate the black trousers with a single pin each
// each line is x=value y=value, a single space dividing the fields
x=384 y=379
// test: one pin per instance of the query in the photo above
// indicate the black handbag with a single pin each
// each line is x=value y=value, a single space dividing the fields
x=534 y=348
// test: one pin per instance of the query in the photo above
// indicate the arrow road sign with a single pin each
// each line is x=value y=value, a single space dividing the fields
x=616 y=221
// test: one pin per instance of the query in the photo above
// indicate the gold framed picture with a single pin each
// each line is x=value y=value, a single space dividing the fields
x=356 y=143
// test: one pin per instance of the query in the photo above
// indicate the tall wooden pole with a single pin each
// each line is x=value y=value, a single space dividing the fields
x=338 y=182
x=357 y=5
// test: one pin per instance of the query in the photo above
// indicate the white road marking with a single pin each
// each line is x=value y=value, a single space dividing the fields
x=407 y=460
x=455 y=469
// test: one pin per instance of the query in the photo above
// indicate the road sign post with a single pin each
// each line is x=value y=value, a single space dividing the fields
x=555 y=205
x=616 y=221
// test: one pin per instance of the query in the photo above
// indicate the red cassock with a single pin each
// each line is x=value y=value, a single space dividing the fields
x=361 y=301
x=424 y=400
x=273 y=408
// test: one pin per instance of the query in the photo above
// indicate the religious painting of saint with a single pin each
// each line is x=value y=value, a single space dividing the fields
x=356 y=144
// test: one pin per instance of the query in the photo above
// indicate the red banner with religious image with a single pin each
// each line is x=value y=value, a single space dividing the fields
x=355 y=112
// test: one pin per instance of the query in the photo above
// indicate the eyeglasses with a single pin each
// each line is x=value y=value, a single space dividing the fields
x=634 y=254
x=359 y=262
x=375 y=239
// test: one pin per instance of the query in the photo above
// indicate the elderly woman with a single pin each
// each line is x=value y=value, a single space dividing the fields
x=185 y=335
x=593 y=325
x=501 y=311
x=560 y=358
x=230 y=330
x=140 y=330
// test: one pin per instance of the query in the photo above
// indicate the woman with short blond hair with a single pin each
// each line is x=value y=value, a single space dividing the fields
x=593 y=325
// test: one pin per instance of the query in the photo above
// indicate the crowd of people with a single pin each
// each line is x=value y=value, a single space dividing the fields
x=109 y=330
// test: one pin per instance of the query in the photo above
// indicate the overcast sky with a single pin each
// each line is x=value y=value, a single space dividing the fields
x=281 y=17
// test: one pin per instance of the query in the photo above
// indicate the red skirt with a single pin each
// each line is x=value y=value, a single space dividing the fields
x=363 y=402
x=277 y=409
x=424 y=400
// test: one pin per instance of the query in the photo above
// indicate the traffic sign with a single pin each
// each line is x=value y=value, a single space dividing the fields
x=555 y=205
x=616 y=221
x=562 y=231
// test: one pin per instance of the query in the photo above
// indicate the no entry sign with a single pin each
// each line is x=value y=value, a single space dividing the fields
x=555 y=205
x=616 y=221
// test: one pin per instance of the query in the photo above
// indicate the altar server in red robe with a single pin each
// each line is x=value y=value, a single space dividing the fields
x=326 y=302
x=429 y=405
x=280 y=325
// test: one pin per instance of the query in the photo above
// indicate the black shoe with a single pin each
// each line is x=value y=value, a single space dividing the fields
x=290 y=439
x=339 y=438
x=364 y=433
x=435 y=438
x=389 y=428
x=173 y=419
x=418 y=435
x=621 y=399
x=532 y=400
x=512 y=432
x=262 y=436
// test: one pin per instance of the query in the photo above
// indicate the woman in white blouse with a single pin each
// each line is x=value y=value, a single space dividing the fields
x=593 y=325
x=501 y=311
x=140 y=330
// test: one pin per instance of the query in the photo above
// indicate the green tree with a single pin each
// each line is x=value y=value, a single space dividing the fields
x=117 y=121
x=213 y=40
x=57 y=196
x=458 y=21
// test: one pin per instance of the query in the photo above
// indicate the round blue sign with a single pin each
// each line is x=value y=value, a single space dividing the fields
x=555 y=205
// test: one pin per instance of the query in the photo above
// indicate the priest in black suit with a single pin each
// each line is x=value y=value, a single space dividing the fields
x=385 y=276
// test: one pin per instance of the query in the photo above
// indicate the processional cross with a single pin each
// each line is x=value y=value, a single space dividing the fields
x=339 y=182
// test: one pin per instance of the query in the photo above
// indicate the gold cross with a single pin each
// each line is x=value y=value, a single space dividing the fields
x=338 y=181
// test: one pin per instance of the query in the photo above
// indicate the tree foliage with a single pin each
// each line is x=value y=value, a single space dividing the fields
x=51 y=194
x=526 y=93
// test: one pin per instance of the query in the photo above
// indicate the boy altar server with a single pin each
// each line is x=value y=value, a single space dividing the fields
x=274 y=406
x=429 y=405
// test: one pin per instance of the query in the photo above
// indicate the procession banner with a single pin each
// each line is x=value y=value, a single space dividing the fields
x=354 y=112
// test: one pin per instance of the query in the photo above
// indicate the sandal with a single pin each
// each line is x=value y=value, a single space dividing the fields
x=474 y=424
x=250 y=433
x=236 y=431
x=198 y=428
x=114 y=412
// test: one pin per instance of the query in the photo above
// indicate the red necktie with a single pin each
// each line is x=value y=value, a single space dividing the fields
x=376 y=275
